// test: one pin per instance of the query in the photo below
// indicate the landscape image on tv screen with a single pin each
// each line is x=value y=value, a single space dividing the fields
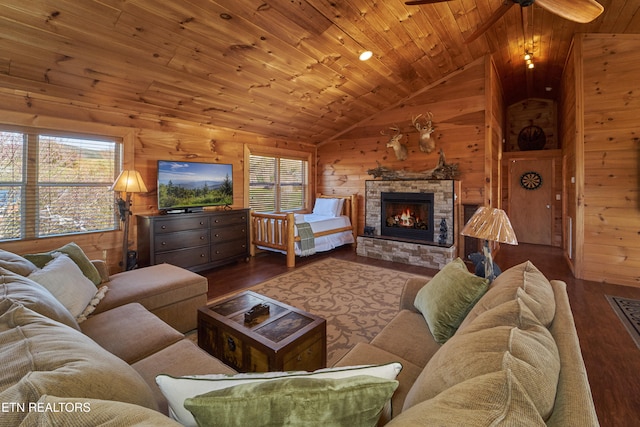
x=192 y=184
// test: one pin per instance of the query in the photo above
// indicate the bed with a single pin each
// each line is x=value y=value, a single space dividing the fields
x=332 y=223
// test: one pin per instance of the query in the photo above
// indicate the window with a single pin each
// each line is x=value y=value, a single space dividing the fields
x=53 y=184
x=277 y=184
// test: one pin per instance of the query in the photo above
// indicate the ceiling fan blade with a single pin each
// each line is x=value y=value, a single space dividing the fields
x=419 y=2
x=581 y=11
x=497 y=14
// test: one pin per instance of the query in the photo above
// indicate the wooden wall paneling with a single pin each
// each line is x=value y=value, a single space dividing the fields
x=534 y=111
x=145 y=140
x=610 y=153
x=458 y=107
x=567 y=123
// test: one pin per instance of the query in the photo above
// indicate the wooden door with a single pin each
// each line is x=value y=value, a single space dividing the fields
x=531 y=200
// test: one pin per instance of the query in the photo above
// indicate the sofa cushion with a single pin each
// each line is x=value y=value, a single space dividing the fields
x=493 y=399
x=153 y=287
x=408 y=336
x=177 y=390
x=83 y=412
x=524 y=281
x=16 y=263
x=521 y=345
x=295 y=401
x=114 y=330
x=32 y=295
x=63 y=278
x=76 y=254
x=363 y=353
x=181 y=358
x=447 y=298
x=40 y=356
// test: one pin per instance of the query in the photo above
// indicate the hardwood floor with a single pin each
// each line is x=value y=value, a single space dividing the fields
x=611 y=356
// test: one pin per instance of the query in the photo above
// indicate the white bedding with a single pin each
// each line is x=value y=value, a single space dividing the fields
x=321 y=223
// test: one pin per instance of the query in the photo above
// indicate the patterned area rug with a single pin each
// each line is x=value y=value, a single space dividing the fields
x=628 y=310
x=357 y=300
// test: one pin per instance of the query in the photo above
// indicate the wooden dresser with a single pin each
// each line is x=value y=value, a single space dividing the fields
x=195 y=241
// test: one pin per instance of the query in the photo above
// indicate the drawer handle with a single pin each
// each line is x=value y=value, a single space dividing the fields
x=217 y=235
x=164 y=227
x=202 y=255
x=244 y=246
x=163 y=243
x=201 y=222
x=201 y=237
x=231 y=344
x=217 y=252
x=216 y=221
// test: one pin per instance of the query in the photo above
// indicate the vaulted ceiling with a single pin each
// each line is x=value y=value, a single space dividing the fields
x=278 y=68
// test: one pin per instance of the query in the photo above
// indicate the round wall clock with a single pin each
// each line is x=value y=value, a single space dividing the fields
x=531 y=180
x=531 y=138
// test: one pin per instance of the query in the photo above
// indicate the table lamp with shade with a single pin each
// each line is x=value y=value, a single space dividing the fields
x=129 y=181
x=490 y=224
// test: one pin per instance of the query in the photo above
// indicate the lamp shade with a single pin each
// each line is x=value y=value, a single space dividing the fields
x=129 y=181
x=490 y=224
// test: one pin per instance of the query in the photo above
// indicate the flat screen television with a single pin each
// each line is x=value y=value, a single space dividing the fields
x=191 y=186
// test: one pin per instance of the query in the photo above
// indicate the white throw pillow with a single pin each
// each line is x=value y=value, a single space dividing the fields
x=64 y=279
x=325 y=207
x=177 y=389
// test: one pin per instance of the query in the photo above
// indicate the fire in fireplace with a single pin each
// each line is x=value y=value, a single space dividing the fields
x=407 y=215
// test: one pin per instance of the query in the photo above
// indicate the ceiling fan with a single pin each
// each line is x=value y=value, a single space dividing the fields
x=581 y=11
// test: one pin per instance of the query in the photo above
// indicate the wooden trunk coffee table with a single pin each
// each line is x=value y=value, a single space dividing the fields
x=285 y=339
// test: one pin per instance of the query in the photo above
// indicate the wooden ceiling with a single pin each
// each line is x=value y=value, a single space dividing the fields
x=278 y=68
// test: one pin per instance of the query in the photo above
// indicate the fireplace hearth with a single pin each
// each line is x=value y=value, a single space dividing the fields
x=412 y=223
x=407 y=215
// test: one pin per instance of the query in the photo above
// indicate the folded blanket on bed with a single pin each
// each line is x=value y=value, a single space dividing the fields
x=307 y=240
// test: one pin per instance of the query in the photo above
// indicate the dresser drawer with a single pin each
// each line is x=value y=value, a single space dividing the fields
x=228 y=233
x=180 y=224
x=183 y=239
x=233 y=218
x=185 y=258
x=228 y=249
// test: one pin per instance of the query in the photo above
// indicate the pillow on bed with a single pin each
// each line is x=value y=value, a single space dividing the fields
x=325 y=207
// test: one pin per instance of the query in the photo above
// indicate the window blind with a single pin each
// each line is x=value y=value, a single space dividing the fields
x=63 y=189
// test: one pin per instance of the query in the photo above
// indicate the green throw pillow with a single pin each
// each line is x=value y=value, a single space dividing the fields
x=76 y=254
x=447 y=298
x=354 y=402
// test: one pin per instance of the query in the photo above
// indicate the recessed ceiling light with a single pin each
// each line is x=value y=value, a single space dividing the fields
x=367 y=54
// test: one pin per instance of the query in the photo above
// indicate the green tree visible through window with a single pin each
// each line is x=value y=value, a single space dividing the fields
x=277 y=184
x=68 y=190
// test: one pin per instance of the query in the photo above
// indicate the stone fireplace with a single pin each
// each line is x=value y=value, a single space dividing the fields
x=409 y=221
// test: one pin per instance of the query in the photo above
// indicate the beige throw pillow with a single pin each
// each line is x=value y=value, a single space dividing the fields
x=63 y=278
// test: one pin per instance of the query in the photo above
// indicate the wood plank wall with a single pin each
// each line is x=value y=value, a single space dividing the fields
x=458 y=104
x=532 y=111
x=608 y=101
x=146 y=140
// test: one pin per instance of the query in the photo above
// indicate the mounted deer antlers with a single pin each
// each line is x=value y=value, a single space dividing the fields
x=394 y=142
x=425 y=129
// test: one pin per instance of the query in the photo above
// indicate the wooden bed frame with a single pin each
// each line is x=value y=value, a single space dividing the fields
x=277 y=230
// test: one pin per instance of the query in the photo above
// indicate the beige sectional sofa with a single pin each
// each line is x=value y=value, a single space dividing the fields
x=514 y=360
x=55 y=371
